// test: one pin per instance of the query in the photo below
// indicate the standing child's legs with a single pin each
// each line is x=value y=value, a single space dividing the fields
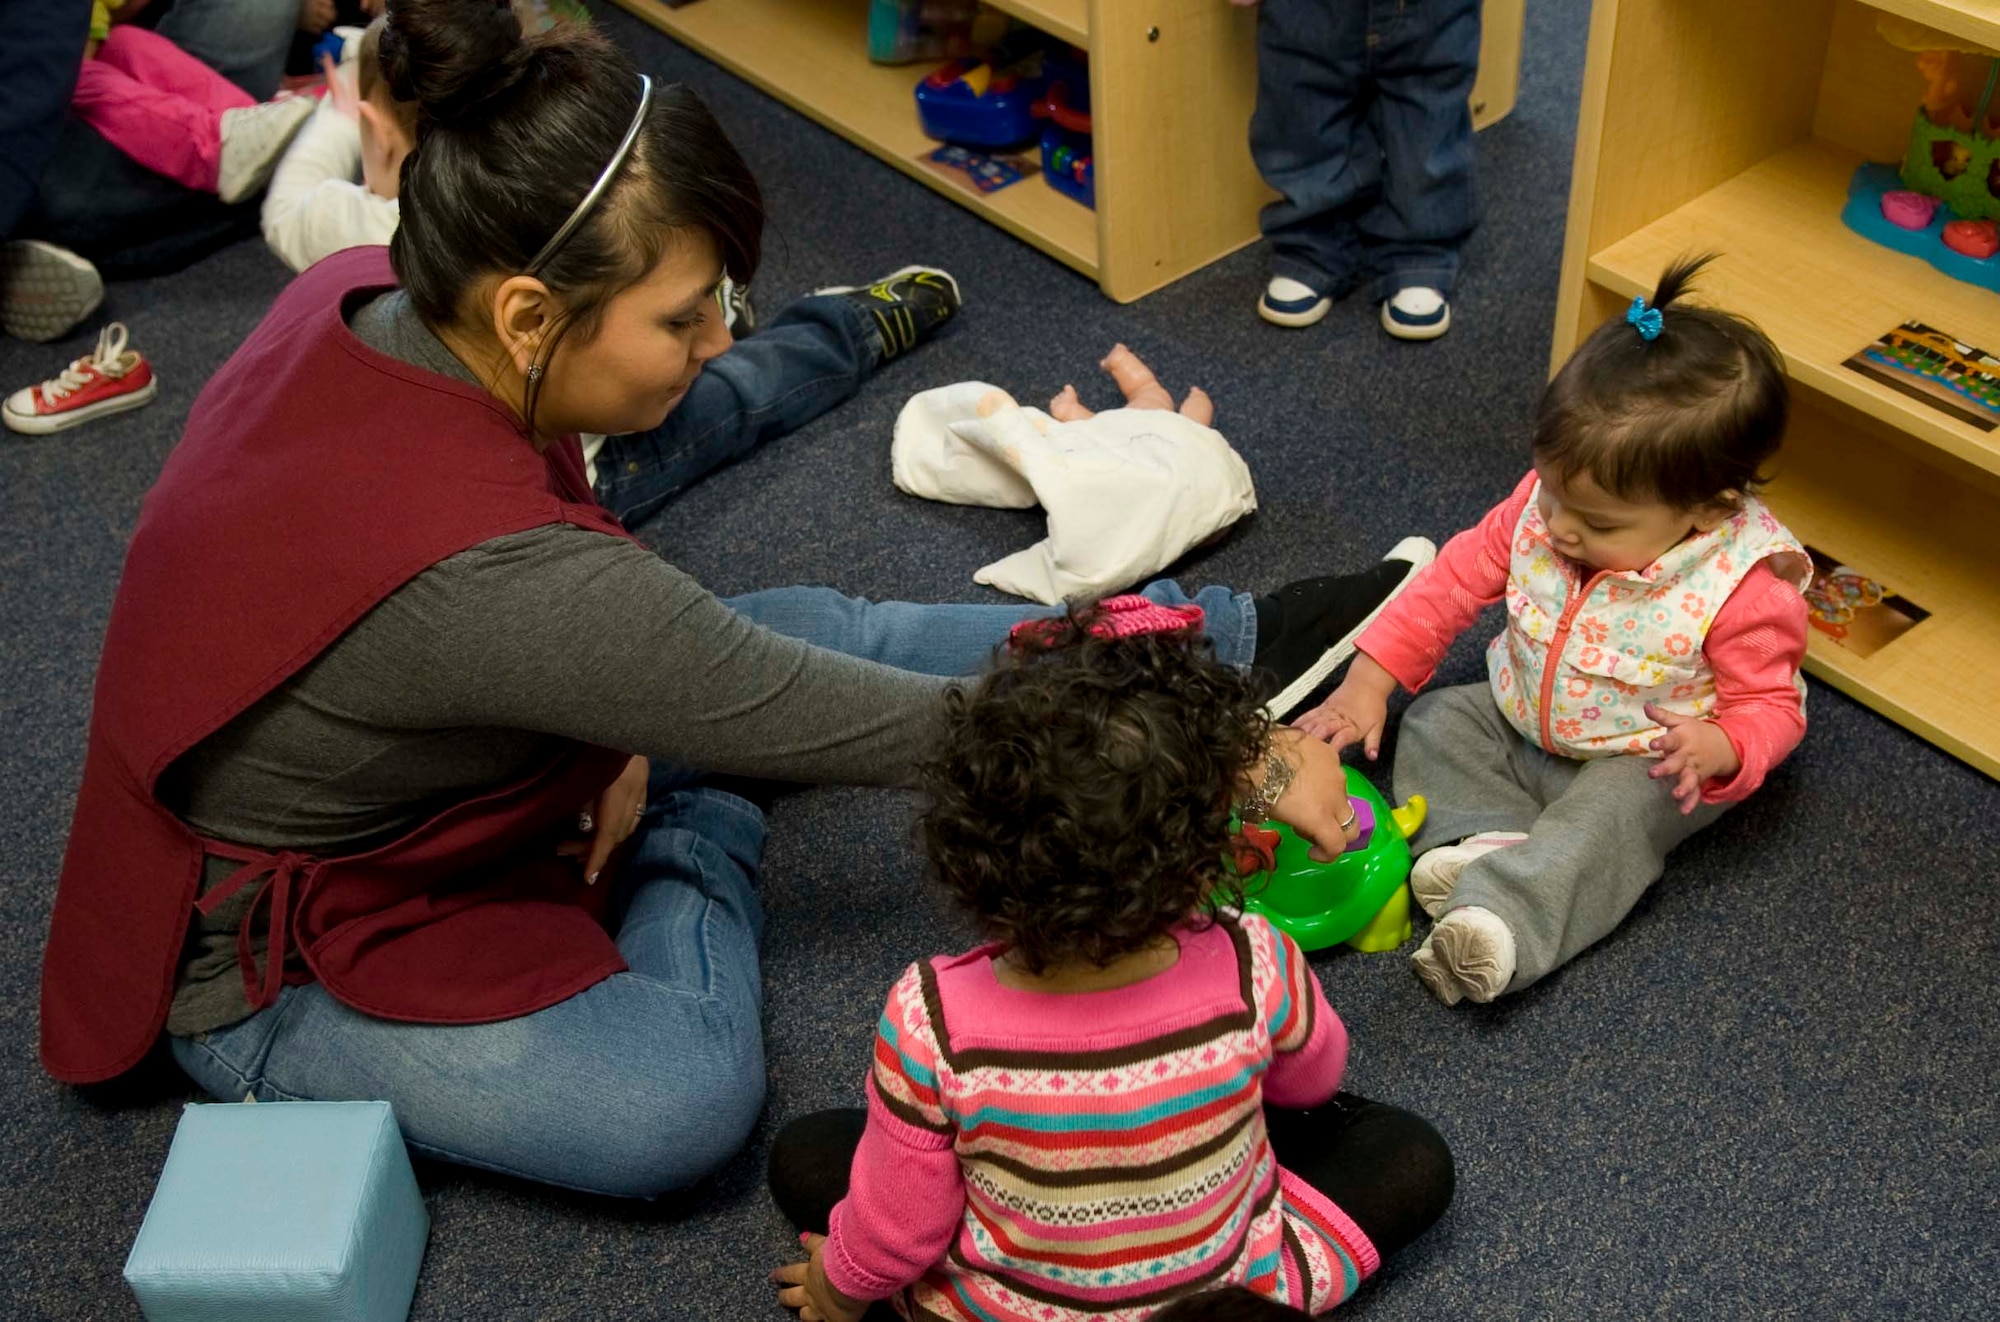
x=1424 y=66
x=128 y=95
x=1312 y=141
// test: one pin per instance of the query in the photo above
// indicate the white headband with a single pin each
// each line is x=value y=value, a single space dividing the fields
x=582 y=212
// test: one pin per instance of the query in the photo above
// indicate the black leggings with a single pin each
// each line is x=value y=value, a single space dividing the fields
x=1381 y=1165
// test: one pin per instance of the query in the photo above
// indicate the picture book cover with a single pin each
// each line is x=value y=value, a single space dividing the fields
x=1926 y=364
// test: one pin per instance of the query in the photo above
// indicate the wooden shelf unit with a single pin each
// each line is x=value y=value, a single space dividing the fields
x=1173 y=83
x=1712 y=125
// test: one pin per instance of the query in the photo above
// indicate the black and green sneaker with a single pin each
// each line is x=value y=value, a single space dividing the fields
x=907 y=305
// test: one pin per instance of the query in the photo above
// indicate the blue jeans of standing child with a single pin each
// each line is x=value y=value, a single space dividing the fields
x=653 y=1078
x=1364 y=126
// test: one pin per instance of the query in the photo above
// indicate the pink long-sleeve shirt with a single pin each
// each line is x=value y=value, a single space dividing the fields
x=1754 y=647
x=1054 y=1157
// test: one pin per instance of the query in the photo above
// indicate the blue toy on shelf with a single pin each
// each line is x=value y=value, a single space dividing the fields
x=1066 y=156
x=979 y=106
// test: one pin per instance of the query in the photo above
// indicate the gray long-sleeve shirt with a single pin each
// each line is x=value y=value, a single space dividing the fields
x=462 y=680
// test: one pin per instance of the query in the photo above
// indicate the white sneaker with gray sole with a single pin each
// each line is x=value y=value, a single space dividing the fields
x=45 y=291
x=1437 y=871
x=254 y=139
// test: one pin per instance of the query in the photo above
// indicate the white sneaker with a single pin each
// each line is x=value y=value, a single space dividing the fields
x=253 y=140
x=1469 y=955
x=1288 y=302
x=1436 y=873
x=45 y=290
x=1416 y=314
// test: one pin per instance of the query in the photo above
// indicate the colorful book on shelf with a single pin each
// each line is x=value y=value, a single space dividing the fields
x=1953 y=377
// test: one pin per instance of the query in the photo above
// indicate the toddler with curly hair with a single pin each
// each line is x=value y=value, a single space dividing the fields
x=1131 y=1095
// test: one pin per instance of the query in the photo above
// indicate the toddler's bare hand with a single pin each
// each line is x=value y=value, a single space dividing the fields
x=1357 y=711
x=1695 y=751
x=803 y=1285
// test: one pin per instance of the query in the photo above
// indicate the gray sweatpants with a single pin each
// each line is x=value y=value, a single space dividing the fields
x=1598 y=832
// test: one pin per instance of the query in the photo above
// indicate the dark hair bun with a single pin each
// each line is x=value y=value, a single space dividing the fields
x=453 y=57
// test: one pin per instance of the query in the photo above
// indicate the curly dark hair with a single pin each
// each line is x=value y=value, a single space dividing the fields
x=1081 y=799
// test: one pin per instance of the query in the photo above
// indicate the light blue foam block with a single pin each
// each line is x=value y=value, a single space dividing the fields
x=282 y=1212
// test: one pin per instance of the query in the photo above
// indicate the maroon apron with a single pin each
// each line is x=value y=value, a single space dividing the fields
x=315 y=477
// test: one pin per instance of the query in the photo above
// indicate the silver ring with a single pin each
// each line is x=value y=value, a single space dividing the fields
x=1352 y=818
x=585 y=823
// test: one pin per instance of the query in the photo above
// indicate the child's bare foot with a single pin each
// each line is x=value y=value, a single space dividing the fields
x=1142 y=390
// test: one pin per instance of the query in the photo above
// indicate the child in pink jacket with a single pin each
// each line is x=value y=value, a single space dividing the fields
x=1648 y=674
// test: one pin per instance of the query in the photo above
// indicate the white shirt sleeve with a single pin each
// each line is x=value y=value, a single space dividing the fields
x=315 y=207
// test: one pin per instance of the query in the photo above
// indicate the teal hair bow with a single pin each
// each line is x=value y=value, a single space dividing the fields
x=1647 y=321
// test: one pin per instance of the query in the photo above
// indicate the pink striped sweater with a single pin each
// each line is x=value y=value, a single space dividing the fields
x=1036 y=1157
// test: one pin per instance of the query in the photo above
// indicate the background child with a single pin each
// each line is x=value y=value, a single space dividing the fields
x=338 y=185
x=176 y=116
x=1363 y=123
x=1653 y=608
x=1077 y=1120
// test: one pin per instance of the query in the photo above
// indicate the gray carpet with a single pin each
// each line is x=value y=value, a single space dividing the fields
x=1769 y=1095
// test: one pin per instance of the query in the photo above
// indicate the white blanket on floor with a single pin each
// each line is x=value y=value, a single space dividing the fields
x=1127 y=492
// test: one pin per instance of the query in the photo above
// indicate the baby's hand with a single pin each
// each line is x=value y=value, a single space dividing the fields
x=1356 y=711
x=1142 y=390
x=804 y=1286
x=1696 y=751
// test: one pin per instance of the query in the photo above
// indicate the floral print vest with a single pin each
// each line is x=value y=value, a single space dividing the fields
x=1584 y=651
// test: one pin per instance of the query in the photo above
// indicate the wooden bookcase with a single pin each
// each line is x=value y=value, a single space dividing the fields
x=1172 y=86
x=1733 y=127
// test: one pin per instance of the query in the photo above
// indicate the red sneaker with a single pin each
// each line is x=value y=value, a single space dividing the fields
x=111 y=380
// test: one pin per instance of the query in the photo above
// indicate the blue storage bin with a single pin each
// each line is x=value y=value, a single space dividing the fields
x=282 y=1212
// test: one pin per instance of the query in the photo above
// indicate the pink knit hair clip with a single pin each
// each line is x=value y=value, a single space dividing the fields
x=1120 y=617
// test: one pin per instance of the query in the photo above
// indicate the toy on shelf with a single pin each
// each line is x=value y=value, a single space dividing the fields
x=905 y=31
x=1943 y=203
x=1066 y=155
x=981 y=106
x=1361 y=896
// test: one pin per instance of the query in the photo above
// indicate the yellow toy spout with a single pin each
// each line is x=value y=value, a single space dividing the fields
x=1410 y=817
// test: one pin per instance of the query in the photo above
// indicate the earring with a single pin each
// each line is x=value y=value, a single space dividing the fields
x=535 y=375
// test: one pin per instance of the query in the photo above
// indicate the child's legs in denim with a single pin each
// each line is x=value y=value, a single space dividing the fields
x=641 y=1084
x=957 y=638
x=1312 y=138
x=1423 y=64
x=813 y=355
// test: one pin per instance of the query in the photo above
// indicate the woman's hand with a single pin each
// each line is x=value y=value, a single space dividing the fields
x=1142 y=390
x=1315 y=804
x=1357 y=710
x=609 y=821
x=803 y=1285
x=1696 y=751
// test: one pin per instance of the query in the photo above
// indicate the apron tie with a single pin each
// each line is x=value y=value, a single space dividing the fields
x=287 y=871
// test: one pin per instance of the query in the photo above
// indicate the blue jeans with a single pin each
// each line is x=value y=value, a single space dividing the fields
x=1363 y=124
x=639 y=1085
x=813 y=355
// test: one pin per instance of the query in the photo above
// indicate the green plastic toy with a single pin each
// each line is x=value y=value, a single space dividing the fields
x=1361 y=897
